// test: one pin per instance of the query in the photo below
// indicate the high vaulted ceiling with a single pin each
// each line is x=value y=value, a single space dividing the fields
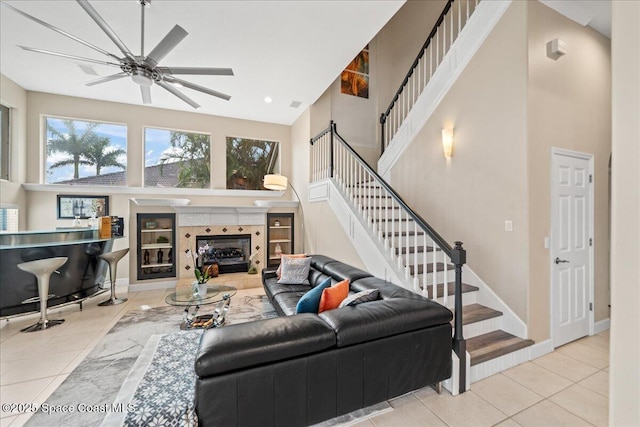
x=287 y=50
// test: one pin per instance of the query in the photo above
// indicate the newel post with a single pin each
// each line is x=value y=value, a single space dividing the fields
x=332 y=126
x=459 y=258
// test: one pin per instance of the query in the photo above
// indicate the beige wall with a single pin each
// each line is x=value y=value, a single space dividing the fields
x=508 y=108
x=569 y=107
x=41 y=205
x=11 y=192
x=624 y=376
x=398 y=43
x=469 y=197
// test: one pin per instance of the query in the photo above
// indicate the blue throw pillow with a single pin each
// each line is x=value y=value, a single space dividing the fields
x=310 y=301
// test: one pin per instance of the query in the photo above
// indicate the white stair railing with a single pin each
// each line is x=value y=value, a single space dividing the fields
x=421 y=253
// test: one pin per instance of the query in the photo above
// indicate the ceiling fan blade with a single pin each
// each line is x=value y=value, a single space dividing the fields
x=166 y=45
x=65 y=55
x=58 y=30
x=204 y=71
x=146 y=94
x=105 y=27
x=179 y=94
x=105 y=79
x=194 y=86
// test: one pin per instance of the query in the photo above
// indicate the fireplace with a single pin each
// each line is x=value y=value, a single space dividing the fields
x=230 y=251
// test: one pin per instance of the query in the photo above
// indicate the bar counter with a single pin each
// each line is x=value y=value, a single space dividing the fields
x=79 y=278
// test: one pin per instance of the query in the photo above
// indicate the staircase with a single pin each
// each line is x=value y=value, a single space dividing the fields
x=397 y=244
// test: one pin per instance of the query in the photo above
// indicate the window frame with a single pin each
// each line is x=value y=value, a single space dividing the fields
x=43 y=150
x=5 y=142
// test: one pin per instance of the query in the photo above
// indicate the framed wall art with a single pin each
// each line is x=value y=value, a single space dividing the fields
x=71 y=206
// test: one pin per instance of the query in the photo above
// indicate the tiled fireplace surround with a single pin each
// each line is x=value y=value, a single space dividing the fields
x=219 y=220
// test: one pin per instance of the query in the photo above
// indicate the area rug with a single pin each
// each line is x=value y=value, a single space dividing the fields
x=92 y=387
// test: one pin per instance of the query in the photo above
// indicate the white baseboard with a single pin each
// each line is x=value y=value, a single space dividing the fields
x=601 y=326
x=540 y=349
x=139 y=287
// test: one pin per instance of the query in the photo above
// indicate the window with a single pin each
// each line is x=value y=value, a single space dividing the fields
x=248 y=161
x=177 y=159
x=81 y=152
x=5 y=142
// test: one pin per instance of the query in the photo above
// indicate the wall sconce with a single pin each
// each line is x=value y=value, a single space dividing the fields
x=447 y=142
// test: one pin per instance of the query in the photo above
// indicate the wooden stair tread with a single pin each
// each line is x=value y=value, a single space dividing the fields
x=439 y=267
x=474 y=313
x=494 y=344
x=412 y=249
x=451 y=286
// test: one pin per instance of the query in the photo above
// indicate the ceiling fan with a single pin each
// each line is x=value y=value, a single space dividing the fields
x=143 y=70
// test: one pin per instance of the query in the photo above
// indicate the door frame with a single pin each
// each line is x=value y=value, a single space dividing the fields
x=591 y=228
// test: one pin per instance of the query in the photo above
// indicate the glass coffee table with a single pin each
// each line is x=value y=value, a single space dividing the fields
x=220 y=294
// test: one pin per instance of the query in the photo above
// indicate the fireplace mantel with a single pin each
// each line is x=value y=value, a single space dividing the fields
x=220 y=215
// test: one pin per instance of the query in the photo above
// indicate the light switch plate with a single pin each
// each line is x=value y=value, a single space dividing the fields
x=508 y=225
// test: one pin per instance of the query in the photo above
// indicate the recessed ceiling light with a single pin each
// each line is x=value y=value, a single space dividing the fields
x=268 y=100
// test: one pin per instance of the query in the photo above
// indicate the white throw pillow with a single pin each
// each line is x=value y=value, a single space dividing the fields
x=360 y=297
x=295 y=271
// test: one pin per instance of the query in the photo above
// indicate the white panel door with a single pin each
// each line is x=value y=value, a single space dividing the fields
x=571 y=227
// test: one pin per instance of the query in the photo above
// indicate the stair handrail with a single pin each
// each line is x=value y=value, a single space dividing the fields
x=457 y=254
x=427 y=44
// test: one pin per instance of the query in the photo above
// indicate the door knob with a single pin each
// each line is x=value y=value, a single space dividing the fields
x=560 y=261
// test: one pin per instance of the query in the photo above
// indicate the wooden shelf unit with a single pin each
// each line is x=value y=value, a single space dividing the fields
x=156 y=259
x=280 y=227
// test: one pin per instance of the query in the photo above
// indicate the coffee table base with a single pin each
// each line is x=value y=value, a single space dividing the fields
x=206 y=321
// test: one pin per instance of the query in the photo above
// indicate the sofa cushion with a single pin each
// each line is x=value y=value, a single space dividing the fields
x=285 y=303
x=387 y=289
x=273 y=288
x=343 y=271
x=310 y=301
x=249 y=344
x=333 y=296
x=383 y=318
x=360 y=297
x=295 y=271
x=320 y=261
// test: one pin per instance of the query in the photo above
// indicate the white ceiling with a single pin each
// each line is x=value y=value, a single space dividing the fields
x=593 y=13
x=287 y=50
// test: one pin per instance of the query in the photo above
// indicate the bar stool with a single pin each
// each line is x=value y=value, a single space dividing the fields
x=42 y=269
x=112 y=258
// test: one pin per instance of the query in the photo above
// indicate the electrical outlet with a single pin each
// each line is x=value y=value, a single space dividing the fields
x=508 y=225
x=546 y=242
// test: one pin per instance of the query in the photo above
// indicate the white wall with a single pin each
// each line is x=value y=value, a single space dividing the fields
x=624 y=359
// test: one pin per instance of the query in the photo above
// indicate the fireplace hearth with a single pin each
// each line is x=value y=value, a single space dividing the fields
x=230 y=252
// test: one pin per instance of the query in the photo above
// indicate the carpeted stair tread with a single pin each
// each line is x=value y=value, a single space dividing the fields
x=494 y=344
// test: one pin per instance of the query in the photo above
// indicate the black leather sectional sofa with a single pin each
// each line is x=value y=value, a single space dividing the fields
x=298 y=370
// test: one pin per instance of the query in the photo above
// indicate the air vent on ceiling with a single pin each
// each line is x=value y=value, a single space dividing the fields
x=295 y=104
x=88 y=69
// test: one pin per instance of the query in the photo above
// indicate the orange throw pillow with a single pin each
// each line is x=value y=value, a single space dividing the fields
x=333 y=296
x=279 y=270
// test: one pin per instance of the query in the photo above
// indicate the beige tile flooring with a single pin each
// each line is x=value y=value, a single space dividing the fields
x=568 y=387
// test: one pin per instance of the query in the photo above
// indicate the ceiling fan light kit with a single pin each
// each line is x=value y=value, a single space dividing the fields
x=143 y=70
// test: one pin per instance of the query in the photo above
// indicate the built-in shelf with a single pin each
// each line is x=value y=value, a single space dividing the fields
x=157 y=246
x=279 y=237
x=156 y=265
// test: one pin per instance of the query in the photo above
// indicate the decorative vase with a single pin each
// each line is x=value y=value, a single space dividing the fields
x=195 y=289
x=202 y=289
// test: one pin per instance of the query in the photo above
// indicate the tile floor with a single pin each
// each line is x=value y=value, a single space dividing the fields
x=568 y=387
